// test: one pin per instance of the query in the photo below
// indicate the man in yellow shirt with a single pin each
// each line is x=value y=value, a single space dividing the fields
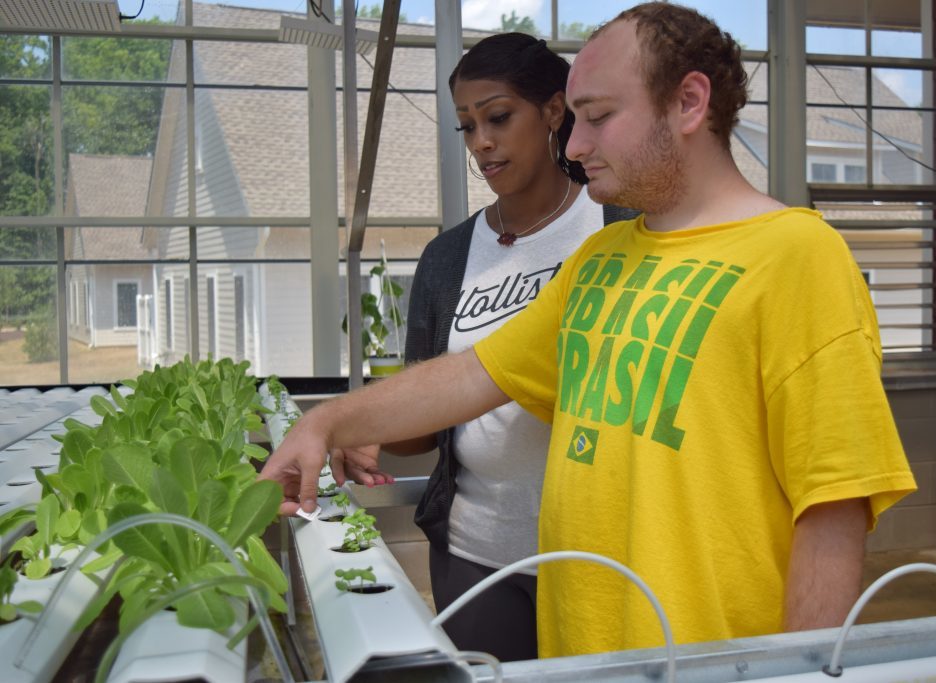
x=710 y=370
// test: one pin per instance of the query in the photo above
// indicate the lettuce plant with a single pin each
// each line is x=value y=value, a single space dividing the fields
x=346 y=576
x=176 y=444
x=10 y=611
x=360 y=534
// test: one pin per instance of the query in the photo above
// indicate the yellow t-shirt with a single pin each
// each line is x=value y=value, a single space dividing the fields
x=704 y=387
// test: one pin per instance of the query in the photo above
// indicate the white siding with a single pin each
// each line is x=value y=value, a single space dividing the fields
x=286 y=322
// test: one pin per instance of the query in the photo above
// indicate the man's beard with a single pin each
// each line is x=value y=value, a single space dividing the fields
x=652 y=180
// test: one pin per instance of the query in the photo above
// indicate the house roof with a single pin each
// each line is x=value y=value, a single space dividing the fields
x=106 y=185
x=267 y=132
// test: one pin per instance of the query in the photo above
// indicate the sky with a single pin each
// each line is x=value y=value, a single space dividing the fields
x=746 y=20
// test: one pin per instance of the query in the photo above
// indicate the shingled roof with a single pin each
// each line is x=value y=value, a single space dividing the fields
x=111 y=185
x=266 y=132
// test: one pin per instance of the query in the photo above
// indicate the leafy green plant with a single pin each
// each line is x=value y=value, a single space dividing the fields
x=276 y=390
x=360 y=534
x=9 y=611
x=327 y=491
x=346 y=576
x=376 y=310
x=343 y=502
x=177 y=444
x=53 y=527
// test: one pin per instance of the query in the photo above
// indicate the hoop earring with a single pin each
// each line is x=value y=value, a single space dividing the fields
x=471 y=169
x=549 y=147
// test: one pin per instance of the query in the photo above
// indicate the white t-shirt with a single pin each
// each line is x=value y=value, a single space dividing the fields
x=502 y=454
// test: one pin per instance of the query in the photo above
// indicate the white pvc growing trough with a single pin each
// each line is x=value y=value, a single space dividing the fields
x=383 y=636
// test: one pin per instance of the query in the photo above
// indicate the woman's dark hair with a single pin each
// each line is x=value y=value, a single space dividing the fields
x=532 y=70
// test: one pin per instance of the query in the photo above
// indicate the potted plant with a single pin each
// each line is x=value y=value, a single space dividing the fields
x=377 y=310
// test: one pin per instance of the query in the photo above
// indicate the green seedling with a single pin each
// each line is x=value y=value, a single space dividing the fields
x=360 y=534
x=343 y=502
x=346 y=576
x=376 y=310
x=52 y=526
x=327 y=491
x=10 y=611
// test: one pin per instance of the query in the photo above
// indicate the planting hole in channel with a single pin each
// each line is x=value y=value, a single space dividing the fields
x=372 y=589
x=333 y=518
x=342 y=549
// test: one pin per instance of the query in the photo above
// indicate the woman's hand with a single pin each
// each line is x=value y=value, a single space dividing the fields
x=359 y=465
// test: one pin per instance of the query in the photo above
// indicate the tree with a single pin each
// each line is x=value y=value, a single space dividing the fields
x=576 y=30
x=515 y=23
x=97 y=120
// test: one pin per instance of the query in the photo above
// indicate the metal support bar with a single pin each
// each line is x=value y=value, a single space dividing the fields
x=353 y=273
x=58 y=173
x=378 y=98
x=453 y=179
x=190 y=142
x=787 y=98
x=365 y=176
x=323 y=210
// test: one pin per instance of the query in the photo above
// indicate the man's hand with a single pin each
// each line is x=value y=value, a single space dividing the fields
x=359 y=465
x=296 y=465
x=437 y=394
x=826 y=559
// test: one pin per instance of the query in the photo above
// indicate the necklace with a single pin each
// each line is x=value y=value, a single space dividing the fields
x=506 y=239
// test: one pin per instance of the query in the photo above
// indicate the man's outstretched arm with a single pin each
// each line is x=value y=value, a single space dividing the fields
x=826 y=560
x=422 y=399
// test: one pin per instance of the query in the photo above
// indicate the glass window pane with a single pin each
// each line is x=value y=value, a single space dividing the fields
x=220 y=62
x=899 y=87
x=111 y=119
x=834 y=136
x=168 y=337
x=251 y=243
x=835 y=41
x=25 y=57
x=153 y=11
x=835 y=85
x=745 y=20
x=123 y=150
x=899 y=147
x=116 y=59
x=104 y=335
x=26 y=174
x=272 y=308
x=126 y=303
x=406 y=174
x=822 y=173
x=29 y=352
x=896 y=44
x=749 y=145
x=854 y=173
x=246 y=13
x=252 y=153
x=26 y=244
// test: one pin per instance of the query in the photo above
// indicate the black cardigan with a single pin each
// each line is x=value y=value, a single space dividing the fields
x=433 y=299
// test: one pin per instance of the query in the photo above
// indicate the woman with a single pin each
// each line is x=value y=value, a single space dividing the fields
x=481 y=507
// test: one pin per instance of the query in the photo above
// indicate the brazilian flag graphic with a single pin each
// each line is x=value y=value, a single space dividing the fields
x=583 y=444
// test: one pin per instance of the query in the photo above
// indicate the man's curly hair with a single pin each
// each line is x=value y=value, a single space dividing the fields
x=676 y=41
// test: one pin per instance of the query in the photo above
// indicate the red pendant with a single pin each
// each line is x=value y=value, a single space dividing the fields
x=506 y=239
